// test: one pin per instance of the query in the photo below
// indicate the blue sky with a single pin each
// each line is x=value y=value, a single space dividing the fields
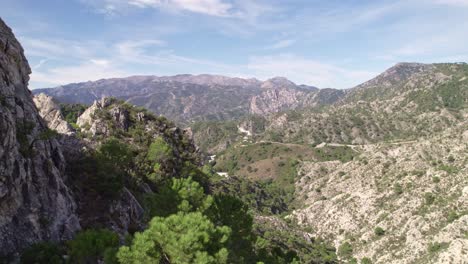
x=323 y=43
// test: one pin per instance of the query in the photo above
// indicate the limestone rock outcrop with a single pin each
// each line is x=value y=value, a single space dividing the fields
x=92 y=121
x=50 y=112
x=35 y=203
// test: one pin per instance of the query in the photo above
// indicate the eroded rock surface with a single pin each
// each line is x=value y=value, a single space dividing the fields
x=35 y=203
x=50 y=112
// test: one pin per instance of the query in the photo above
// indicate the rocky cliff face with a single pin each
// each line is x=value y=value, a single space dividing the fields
x=49 y=110
x=93 y=121
x=279 y=94
x=35 y=204
x=275 y=100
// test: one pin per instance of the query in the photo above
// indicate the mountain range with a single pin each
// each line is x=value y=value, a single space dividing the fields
x=186 y=98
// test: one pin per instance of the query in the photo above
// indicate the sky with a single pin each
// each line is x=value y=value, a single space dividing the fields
x=333 y=43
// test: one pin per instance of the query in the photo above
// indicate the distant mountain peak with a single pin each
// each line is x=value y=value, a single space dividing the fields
x=278 y=82
x=409 y=64
x=395 y=74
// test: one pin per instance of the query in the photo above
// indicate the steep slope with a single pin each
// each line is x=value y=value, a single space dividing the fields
x=50 y=111
x=108 y=195
x=389 y=83
x=35 y=203
x=382 y=172
x=407 y=101
x=127 y=158
x=185 y=98
x=395 y=202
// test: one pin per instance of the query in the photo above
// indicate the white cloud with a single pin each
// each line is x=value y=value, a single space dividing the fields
x=132 y=49
x=85 y=71
x=207 y=7
x=118 y=61
x=282 y=44
x=40 y=64
x=100 y=62
x=59 y=48
x=151 y=56
x=38 y=47
x=463 y=3
x=301 y=70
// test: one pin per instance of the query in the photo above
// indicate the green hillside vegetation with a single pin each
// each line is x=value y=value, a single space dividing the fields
x=273 y=166
x=190 y=218
x=416 y=101
x=71 y=112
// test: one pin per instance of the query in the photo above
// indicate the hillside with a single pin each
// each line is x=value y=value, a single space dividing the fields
x=382 y=172
x=188 y=98
x=405 y=102
x=394 y=202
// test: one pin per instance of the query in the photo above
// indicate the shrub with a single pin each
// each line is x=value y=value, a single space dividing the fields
x=116 y=152
x=179 y=238
x=429 y=198
x=90 y=245
x=366 y=260
x=42 y=253
x=397 y=188
x=159 y=150
x=452 y=216
x=437 y=246
x=345 y=250
x=379 y=231
x=23 y=129
x=105 y=170
x=178 y=195
x=451 y=159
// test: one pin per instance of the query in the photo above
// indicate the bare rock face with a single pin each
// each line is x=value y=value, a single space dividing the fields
x=126 y=213
x=121 y=116
x=275 y=100
x=279 y=94
x=92 y=121
x=35 y=204
x=50 y=112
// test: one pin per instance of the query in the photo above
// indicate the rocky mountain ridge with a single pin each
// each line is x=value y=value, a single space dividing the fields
x=407 y=101
x=188 y=98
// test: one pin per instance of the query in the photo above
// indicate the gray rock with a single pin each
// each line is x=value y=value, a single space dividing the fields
x=92 y=122
x=51 y=113
x=126 y=213
x=35 y=203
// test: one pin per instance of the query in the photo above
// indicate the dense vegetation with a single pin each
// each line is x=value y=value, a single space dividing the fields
x=71 y=112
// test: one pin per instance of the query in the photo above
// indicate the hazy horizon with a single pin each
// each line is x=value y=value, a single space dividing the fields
x=323 y=44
